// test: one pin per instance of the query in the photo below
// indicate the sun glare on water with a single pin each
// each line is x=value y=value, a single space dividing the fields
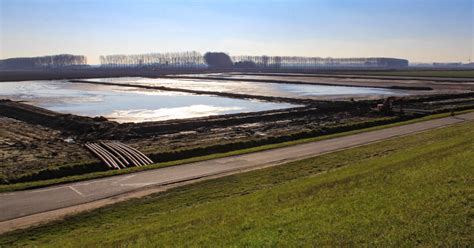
x=136 y=115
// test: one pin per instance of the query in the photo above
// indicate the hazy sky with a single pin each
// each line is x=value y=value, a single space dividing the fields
x=418 y=30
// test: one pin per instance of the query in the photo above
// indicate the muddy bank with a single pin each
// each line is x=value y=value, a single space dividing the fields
x=71 y=124
x=89 y=128
x=26 y=148
x=56 y=135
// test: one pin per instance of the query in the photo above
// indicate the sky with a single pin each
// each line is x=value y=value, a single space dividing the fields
x=417 y=30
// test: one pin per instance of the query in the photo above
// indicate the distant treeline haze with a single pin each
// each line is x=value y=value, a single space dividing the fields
x=223 y=60
x=197 y=60
x=159 y=60
x=53 y=61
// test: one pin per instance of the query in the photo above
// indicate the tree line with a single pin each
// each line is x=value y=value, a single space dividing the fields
x=51 y=61
x=224 y=61
x=192 y=59
x=299 y=62
x=156 y=60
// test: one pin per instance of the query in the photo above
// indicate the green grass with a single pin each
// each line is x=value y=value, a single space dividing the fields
x=409 y=191
x=93 y=175
x=427 y=73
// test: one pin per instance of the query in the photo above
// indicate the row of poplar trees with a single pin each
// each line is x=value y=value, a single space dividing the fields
x=305 y=62
x=223 y=60
x=156 y=60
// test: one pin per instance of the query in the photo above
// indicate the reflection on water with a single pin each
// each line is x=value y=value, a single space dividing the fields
x=191 y=111
x=255 y=88
x=126 y=104
x=320 y=90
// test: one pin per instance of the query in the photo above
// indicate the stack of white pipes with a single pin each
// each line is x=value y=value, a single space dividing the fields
x=117 y=155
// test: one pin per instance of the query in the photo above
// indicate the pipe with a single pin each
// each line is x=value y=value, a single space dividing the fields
x=106 y=154
x=127 y=154
x=140 y=153
x=111 y=149
x=98 y=154
x=135 y=154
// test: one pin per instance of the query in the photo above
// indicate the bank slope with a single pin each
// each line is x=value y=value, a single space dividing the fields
x=407 y=191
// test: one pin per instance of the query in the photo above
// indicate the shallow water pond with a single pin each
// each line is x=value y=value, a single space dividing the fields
x=256 y=88
x=127 y=104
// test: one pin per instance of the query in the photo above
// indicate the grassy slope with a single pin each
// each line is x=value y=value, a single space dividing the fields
x=414 y=190
x=428 y=73
x=44 y=183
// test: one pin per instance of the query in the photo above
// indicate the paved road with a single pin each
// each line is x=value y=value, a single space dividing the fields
x=23 y=203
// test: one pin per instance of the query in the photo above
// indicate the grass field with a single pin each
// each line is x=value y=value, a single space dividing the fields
x=427 y=73
x=75 y=178
x=415 y=190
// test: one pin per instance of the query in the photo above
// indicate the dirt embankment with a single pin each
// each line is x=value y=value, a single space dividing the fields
x=68 y=123
x=87 y=128
x=39 y=139
x=27 y=148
